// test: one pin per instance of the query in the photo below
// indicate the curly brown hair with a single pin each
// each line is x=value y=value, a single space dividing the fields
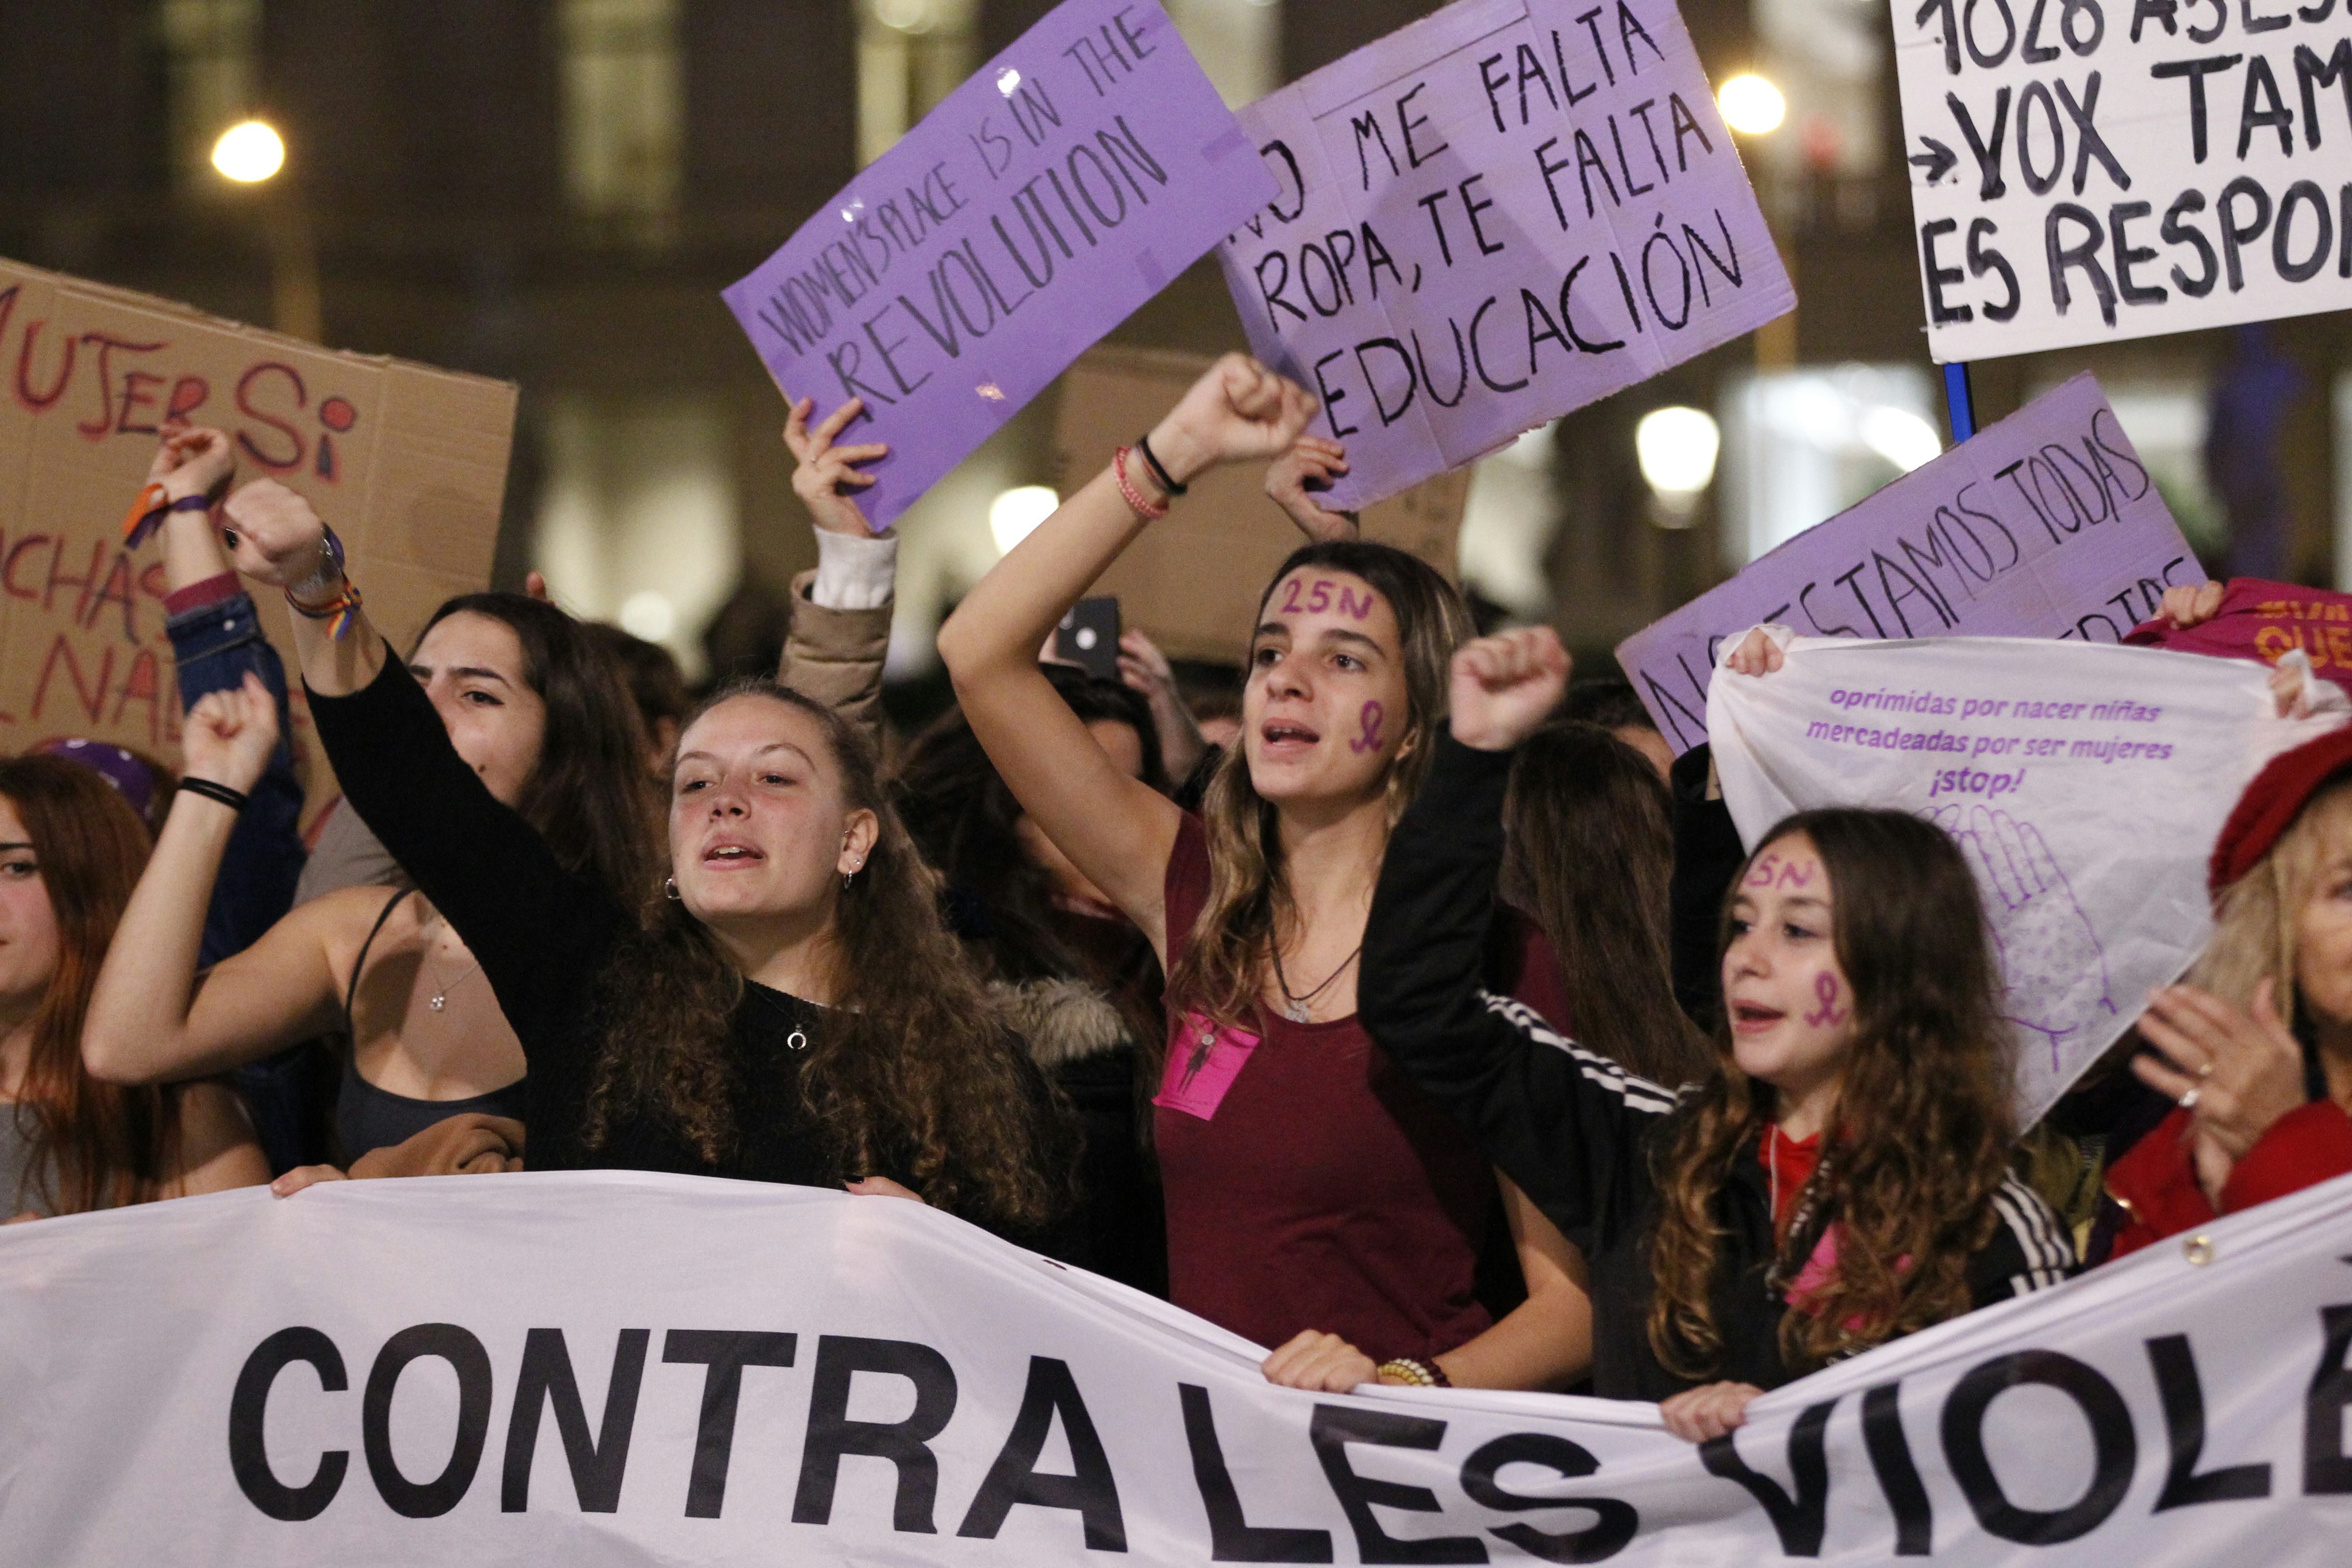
x=1223 y=970
x=914 y=1073
x=1924 y=1124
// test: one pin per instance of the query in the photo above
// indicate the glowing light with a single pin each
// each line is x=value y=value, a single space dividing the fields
x=1901 y=436
x=1750 y=105
x=649 y=615
x=249 y=152
x=1677 y=448
x=1014 y=514
x=904 y=15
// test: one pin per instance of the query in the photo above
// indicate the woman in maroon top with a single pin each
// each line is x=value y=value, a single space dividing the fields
x=1316 y=1201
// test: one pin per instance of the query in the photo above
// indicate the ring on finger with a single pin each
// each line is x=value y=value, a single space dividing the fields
x=2205 y=1071
x=2189 y=1101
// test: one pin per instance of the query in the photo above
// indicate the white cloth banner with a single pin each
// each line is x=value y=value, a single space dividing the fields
x=2085 y=783
x=615 y=1368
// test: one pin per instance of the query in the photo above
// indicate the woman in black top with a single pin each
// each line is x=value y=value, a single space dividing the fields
x=1839 y=1179
x=791 y=1010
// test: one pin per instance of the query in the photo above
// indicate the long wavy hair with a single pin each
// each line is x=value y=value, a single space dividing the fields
x=1923 y=1132
x=1591 y=852
x=589 y=794
x=965 y=818
x=94 y=1145
x=2255 y=918
x=1224 y=967
x=913 y=1071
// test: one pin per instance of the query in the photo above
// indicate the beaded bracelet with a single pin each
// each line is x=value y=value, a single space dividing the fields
x=1416 y=1374
x=1144 y=509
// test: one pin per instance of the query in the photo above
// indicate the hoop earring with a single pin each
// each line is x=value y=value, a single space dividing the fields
x=670 y=888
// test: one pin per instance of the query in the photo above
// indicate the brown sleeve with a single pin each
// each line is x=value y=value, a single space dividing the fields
x=834 y=656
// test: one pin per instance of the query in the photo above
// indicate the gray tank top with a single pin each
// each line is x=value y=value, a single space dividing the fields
x=19 y=1190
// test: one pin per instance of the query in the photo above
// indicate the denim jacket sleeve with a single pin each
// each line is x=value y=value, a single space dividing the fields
x=213 y=645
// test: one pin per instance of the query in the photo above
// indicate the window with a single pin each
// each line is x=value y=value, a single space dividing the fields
x=1237 y=42
x=1799 y=447
x=210 y=47
x=910 y=55
x=1507 y=523
x=1827 y=57
x=624 y=103
x=638 y=520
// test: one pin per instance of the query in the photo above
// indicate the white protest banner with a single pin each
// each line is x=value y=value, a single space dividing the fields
x=613 y=1368
x=2084 y=783
x=2044 y=525
x=1501 y=213
x=2087 y=171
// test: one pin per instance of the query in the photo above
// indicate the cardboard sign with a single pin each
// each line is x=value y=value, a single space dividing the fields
x=2044 y=525
x=1504 y=211
x=1192 y=580
x=2084 y=785
x=407 y=463
x=2085 y=171
x=1030 y=213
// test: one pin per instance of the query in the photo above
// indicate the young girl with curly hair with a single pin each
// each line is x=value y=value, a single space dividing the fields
x=1839 y=1178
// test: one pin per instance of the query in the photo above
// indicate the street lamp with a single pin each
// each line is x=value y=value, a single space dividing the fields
x=1751 y=105
x=249 y=152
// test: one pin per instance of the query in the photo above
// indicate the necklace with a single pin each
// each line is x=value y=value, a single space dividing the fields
x=440 y=997
x=1297 y=1008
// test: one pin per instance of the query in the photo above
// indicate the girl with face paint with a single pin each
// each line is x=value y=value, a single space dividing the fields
x=1840 y=1178
x=1315 y=1202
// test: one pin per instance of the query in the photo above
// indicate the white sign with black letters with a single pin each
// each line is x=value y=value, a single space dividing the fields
x=2085 y=171
x=612 y=1368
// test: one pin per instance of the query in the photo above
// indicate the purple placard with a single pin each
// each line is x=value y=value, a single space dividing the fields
x=2044 y=525
x=1057 y=190
x=1501 y=213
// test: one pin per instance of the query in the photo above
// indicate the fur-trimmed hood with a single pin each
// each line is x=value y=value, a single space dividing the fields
x=1063 y=1021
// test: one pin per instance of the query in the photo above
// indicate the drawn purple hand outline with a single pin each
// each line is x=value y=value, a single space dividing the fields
x=2052 y=965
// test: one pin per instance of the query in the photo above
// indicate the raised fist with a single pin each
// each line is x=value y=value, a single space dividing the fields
x=229 y=735
x=1505 y=686
x=273 y=535
x=1238 y=411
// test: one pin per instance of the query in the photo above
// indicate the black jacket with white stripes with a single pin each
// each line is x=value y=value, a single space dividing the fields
x=1573 y=1129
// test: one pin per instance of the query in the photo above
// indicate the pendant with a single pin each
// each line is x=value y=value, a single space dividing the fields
x=440 y=1000
x=1297 y=1012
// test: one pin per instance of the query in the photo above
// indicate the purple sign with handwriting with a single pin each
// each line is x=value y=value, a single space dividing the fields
x=1028 y=215
x=2044 y=525
x=1503 y=211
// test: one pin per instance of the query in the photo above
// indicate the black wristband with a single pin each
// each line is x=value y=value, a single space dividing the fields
x=1143 y=445
x=233 y=799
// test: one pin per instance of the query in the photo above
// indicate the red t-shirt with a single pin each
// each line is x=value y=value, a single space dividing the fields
x=1326 y=1192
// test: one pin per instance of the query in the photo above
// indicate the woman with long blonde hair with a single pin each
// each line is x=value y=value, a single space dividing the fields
x=1315 y=1202
x=2255 y=1048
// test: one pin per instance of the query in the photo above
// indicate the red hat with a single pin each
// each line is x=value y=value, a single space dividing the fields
x=2273 y=801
